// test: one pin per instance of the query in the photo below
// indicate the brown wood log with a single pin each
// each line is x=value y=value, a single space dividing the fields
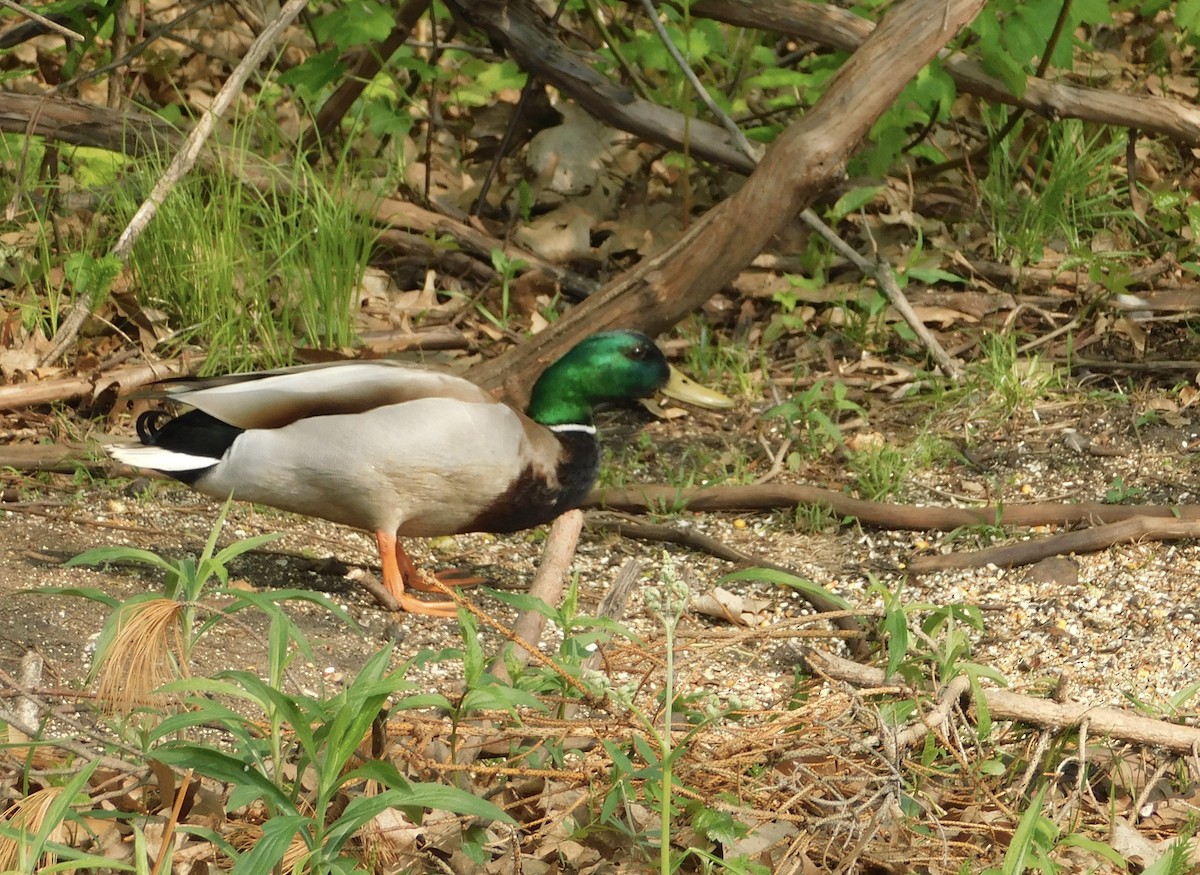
x=71 y=388
x=86 y=124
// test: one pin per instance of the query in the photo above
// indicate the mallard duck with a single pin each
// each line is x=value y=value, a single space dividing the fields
x=400 y=450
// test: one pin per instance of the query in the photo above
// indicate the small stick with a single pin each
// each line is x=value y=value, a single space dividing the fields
x=547 y=585
x=172 y=821
x=1138 y=528
x=42 y=20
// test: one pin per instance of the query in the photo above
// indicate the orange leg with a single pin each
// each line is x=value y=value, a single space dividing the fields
x=397 y=570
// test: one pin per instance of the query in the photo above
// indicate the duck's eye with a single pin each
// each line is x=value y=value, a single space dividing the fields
x=640 y=352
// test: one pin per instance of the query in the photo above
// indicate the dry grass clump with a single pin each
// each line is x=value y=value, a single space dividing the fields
x=146 y=652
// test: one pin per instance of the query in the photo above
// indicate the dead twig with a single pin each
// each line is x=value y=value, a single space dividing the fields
x=883 y=274
x=547 y=586
x=630 y=528
x=22 y=395
x=45 y=22
x=930 y=720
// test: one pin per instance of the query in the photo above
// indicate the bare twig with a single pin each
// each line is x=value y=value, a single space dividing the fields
x=42 y=20
x=730 y=126
x=1138 y=528
x=886 y=278
x=931 y=719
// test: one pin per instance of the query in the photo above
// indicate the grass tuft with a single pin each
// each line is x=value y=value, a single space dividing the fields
x=146 y=651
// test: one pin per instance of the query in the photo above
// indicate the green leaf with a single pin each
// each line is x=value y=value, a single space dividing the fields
x=984 y=722
x=221 y=766
x=268 y=851
x=772 y=575
x=314 y=74
x=895 y=626
x=268 y=602
x=414 y=796
x=933 y=275
x=854 y=200
x=999 y=63
x=472 y=653
x=423 y=700
x=1022 y=844
x=523 y=602
x=79 y=592
x=237 y=548
x=285 y=706
x=992 y=767
x=719 y=826
x=109 y=555
x=356 y=710
x=91 y=276
x=356 y=24
x=1100 y=849
x=499 y=698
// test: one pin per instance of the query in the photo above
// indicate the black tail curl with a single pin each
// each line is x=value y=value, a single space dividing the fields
x=148 y=426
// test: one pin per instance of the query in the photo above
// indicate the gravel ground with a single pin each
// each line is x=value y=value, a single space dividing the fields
x=1114 y=625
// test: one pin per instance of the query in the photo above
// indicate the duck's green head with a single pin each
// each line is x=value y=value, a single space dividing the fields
x=611 y=366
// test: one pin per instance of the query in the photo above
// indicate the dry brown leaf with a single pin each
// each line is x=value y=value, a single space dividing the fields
x=940 y=316
x=725 y=605
x=562 y=235
x=765 y=843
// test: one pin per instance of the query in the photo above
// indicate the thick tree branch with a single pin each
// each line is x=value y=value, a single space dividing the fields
x=804 y=160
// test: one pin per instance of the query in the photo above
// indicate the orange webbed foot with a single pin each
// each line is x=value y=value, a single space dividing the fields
x=398 y=571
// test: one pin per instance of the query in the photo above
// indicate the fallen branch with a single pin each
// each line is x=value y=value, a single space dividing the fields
x=885 y=515
x=1137 y=528
x=1005 y=705
x=839 y=28
x=527 y=630
x=802 y=162
x=547 y=586
x=931 y=720
x=124 y=380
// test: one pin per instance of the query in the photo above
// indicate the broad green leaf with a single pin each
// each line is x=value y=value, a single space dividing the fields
x=1022 y=844
x=854 y=200
x=79 y=592
x=221 y=766
x=500 y=698
x=772 y=575
x=315 y=73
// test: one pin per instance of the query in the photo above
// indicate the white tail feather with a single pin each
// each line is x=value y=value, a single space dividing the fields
x=158 y=458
